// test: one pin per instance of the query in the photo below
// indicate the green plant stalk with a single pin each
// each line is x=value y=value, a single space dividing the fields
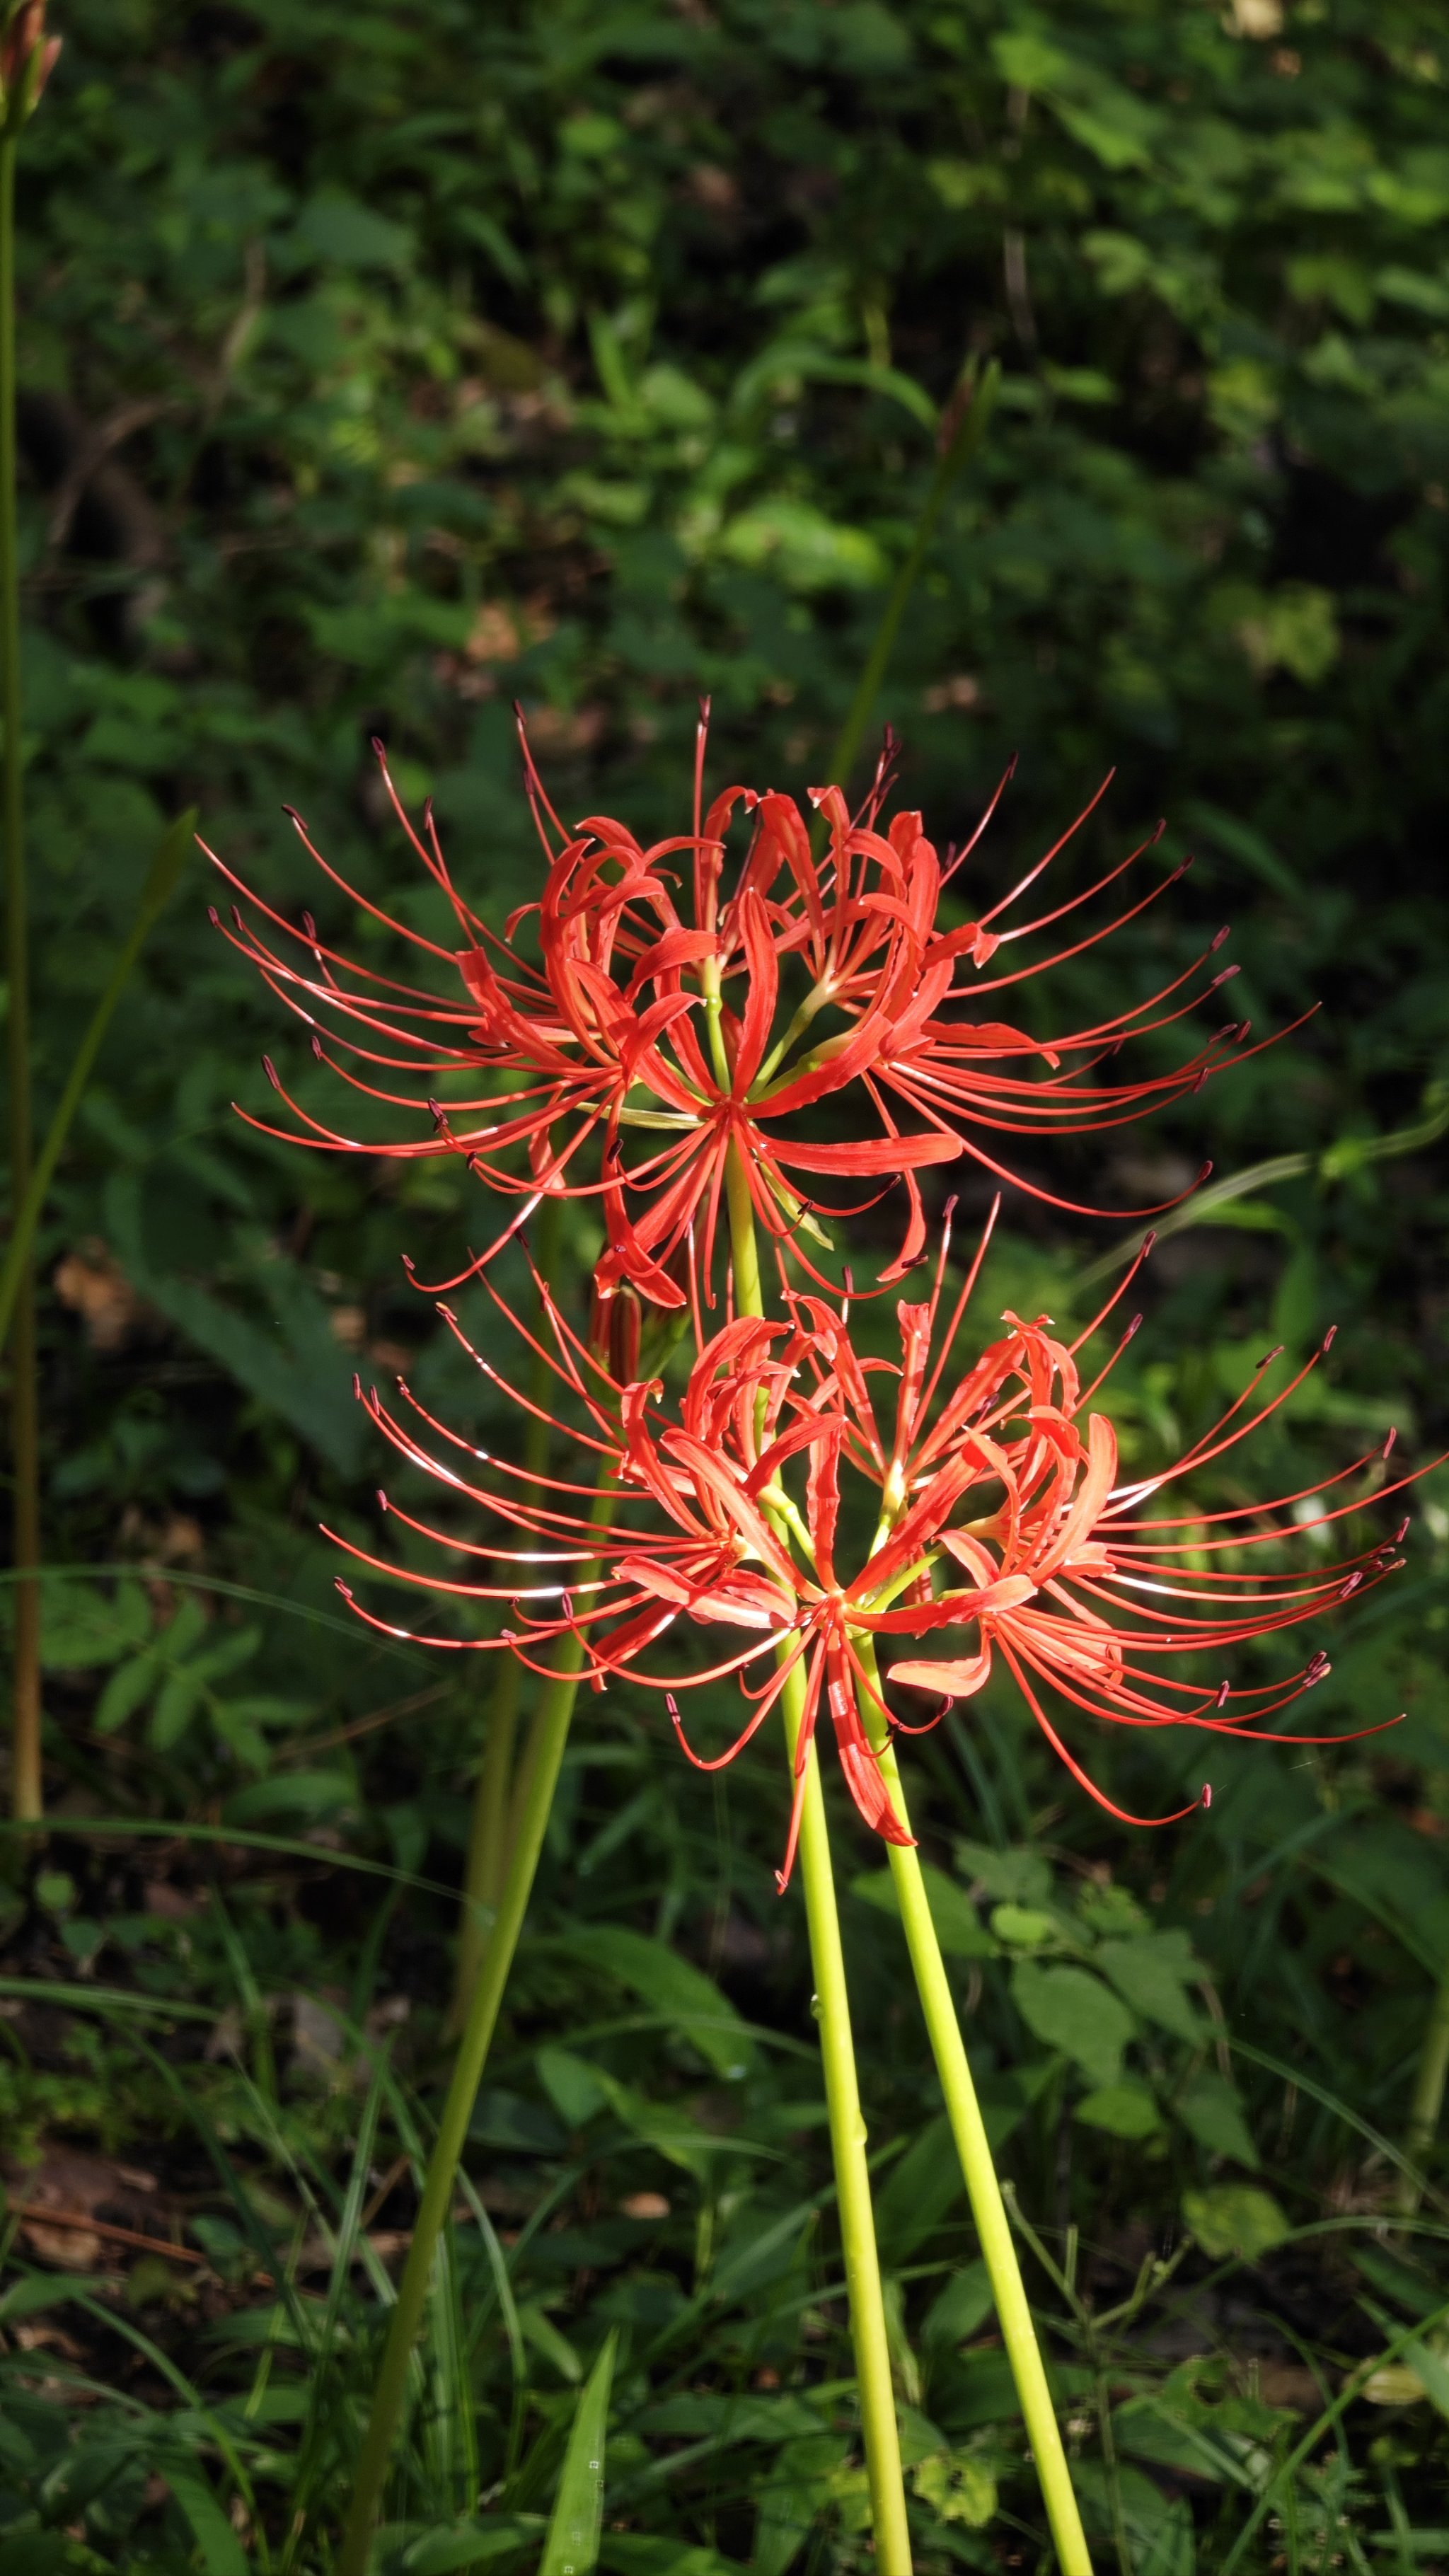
x=1428 y=2101
x=25 y=1777
x=486 y=1866
x=159 y=886
x=972 y=2146
x=973 y=405
x=870 y=2339
x=488 y=1834
x=555 y=1711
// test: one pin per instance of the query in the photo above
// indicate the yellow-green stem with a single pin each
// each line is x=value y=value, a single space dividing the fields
x=1428 y=2101
x=25 y=1777
x=880 y=2433
x=973 y=2147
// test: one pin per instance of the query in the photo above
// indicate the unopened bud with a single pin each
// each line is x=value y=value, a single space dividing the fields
x=27 y=59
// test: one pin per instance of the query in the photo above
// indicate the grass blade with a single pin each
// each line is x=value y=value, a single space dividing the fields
x=571 y=2546
x=213 y=2533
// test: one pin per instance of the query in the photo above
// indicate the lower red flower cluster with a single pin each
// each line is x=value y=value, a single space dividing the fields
x=799 y=1505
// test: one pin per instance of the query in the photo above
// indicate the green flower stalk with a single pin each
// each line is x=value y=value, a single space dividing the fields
x=27 y=57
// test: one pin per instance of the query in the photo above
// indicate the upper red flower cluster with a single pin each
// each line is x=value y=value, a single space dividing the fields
x=657 y=1033
x=992 y=1511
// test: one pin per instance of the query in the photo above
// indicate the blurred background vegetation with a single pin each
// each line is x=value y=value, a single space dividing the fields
x=381 y=365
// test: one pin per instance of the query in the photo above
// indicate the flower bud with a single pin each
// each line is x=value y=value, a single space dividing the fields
x=27 y=59
x=614 y=1332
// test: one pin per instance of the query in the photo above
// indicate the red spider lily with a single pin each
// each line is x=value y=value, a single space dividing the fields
x=993 y=1505
x=655 y=1036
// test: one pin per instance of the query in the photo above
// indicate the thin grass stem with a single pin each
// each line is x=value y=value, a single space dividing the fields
x=26 y=1791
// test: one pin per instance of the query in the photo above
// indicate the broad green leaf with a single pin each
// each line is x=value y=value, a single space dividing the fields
x=84 y=1625
x=1126 y=2110
x=127 y=1688
x=671 y=2130
x=918 y=2191
x=1175 y=2429
x=573 y=2086
x=298 y=1372
x=337 y=227
x=957 y=2487
x=177 y=1702
x=959 y=1927
x=310 y=1794
x=1029 y=60
x=1071 y=2010
x=957 y=2311
x=1234 y=2218
x=1210 y=2108
x=741 y=2417
x=1023 y=1927
x=1152 y=1971
x=675 y=1987
x=1015 y=1877
x=571 y=2544
x=812 y=551
x=792 y=2496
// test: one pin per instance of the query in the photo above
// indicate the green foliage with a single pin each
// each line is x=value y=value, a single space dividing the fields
x=382 y=366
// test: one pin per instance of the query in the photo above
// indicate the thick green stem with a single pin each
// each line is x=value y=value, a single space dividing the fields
x=487 y=1861
x=1428 y=2101
x=870 y=2339
x=25 y=1779
x=983 y=2189
x=555 y=1711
